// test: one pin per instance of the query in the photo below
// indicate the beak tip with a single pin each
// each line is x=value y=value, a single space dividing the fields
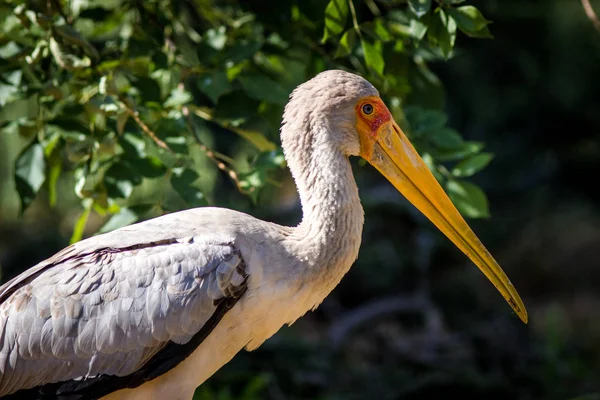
x=524 y=317
x=519 y=309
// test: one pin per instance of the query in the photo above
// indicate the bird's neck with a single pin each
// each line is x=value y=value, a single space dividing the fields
x=331 y=229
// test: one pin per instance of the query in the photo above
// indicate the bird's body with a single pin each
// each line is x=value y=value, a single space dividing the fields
x=154 y=309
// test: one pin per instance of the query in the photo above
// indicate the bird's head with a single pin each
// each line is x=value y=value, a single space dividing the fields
x=364 y=126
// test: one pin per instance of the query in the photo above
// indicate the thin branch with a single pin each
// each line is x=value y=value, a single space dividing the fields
x=355 y=19
x=373 y=7
x=223 y=157
x=352 y=319
x=135 y=115
x=265 y=145
x=213 y=156
x=591 y=14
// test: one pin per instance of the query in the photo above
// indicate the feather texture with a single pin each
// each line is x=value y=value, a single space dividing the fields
x=108 y=310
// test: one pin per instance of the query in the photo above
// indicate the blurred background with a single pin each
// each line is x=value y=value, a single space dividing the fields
x=413 y=319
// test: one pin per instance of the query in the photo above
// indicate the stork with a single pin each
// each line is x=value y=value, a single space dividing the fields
x=151 y=310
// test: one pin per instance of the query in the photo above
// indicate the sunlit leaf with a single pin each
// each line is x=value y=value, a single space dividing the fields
x=459 y=153
x=251 y=182
x=419 y=7
x=442 y=32
x=53 y=175
x=468 y=198
x=133 y=145
x=270 y=159
x=9 y=49
x=347 y=43
x=30 y=173
x=472 y=165
x=81 y=222
x=124 y=217
x=470 y=21
x=178 y=98
x=9 y=86
x=373 y=56
x=377 y=30
x=216 y=38
x=430 y=162
x=417 y=29
x=336 y=16
x=170 y=130
x=447 y=41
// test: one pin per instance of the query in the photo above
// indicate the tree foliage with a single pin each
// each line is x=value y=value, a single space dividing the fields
x=119 y=93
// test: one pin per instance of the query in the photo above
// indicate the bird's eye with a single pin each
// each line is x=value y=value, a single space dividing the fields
x=367 y=109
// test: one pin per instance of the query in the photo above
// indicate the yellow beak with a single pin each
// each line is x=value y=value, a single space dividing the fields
x=395 y=157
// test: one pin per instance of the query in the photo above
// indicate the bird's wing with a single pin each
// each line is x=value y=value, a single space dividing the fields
x=115 y=311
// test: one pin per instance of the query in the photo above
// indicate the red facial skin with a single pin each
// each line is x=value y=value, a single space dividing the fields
x=378 y=117
x=369 y=126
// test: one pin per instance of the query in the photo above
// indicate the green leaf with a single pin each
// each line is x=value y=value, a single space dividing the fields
x=120 y=179
x=30 y=173
x=20 y=108
x=373 y=56
x=470 y=21
x=53 y=175
x=419 y=7
x=465 y=150
x=336 y=16
x=251 y=182
x=242 y=50
x=178 y=98
x=216 y=38
x=9 y=86
x=423 y=121
x=377 y=30
x=430 y=162
x=468 y=198
x=182 y=181
x=446 y=138
x=148 y=167
x=270 y=159
x=9 y=49
x=170 y=130
x=347 y=43
x=133 y=145
x=124 y=217
x=472 y=165
x=417 y=29
x=442 y=32
x=263 y=88
x=79 y=227
x=447 y=41
x=214 y=85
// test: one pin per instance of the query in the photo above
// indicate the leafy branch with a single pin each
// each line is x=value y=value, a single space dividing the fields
x=115 y=96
